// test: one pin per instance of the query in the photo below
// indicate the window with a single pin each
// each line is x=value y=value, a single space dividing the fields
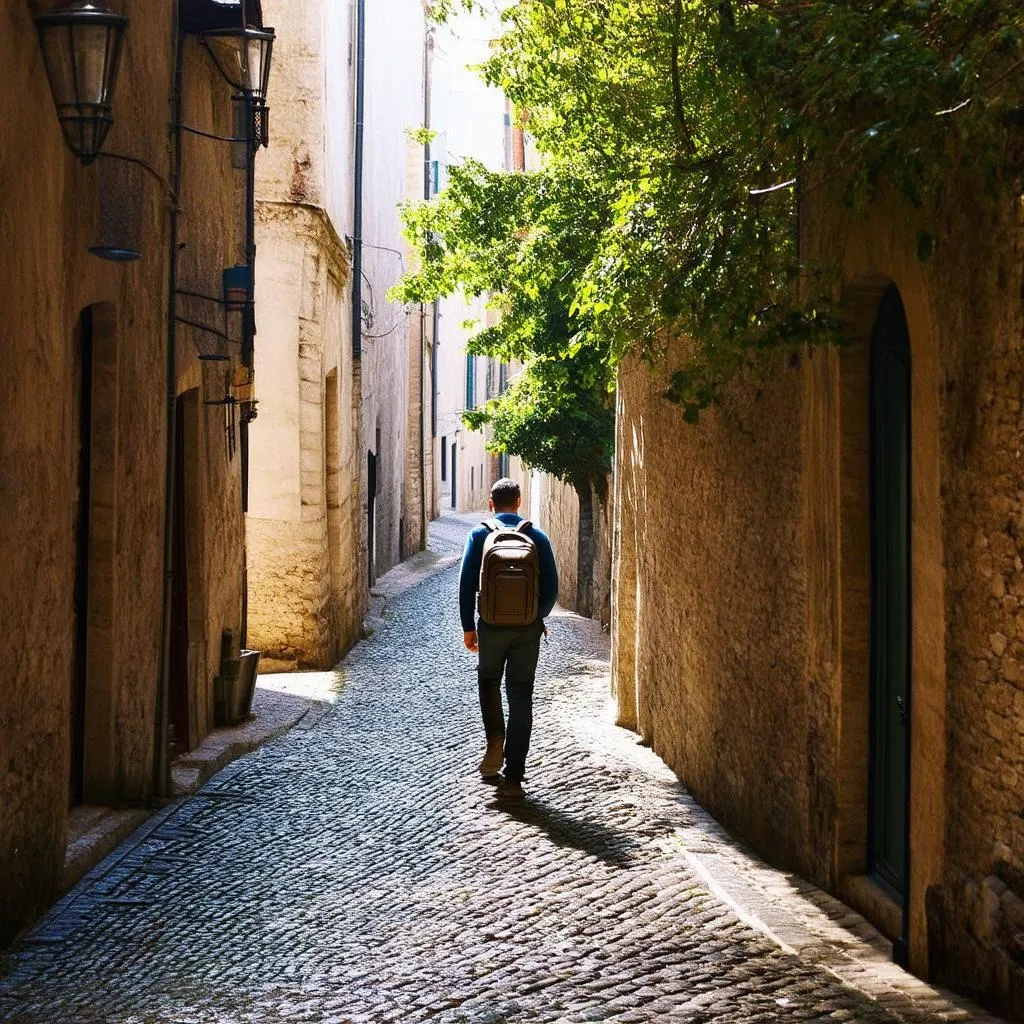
x=508 y=141
x=470 y=382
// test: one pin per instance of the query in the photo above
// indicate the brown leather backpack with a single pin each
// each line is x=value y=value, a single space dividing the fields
x=509 y=575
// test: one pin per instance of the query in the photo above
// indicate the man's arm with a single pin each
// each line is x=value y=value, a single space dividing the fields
x=548 y=575
x=469 y=580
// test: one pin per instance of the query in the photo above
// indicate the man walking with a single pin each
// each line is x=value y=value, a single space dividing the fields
x=509 y=650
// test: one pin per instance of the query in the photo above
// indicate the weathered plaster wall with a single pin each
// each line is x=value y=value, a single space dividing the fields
x=49 y=214
x=395 y=35
x=306 y=575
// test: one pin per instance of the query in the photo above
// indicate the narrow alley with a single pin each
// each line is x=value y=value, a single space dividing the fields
x=358 y=870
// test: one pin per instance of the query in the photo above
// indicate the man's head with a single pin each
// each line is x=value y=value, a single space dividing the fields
x=505 y=496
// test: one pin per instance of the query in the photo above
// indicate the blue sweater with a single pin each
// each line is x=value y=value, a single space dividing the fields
x=469 y=580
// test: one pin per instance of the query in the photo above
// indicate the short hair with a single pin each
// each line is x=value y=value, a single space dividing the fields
x=505 y=493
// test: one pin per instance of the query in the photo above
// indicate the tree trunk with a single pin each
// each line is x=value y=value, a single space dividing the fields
x=585 y=551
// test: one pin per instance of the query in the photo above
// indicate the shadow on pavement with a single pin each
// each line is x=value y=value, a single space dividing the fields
x=616 y=848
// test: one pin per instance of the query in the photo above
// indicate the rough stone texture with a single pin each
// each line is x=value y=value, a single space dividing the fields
x=50 y=212
x=306 y=592
x=559 y=518
x=705 y=661
x=741 y=586
x=981 y=336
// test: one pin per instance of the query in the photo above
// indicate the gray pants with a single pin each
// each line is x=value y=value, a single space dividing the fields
x=512 y=653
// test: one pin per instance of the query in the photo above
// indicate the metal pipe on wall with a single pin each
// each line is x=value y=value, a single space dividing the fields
x=161 y=775
x=427 y=46
x=248 y=340
x=357 y=206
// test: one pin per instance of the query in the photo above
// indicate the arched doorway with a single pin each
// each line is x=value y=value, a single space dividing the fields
x=890 y=660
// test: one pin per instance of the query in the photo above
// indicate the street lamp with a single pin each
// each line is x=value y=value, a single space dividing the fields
x=81 y=46
x=248 y=67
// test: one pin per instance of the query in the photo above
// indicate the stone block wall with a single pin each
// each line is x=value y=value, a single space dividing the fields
x=306 y=571
x=560 y=517
x=709 y=632
x=741 y=587
x=977 y=923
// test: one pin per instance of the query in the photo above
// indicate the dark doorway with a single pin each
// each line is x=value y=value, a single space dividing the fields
x=890 y=596
x=455 y=480
x=444 y=458
x=371 y=515
x=178 y=680
x=82 y=531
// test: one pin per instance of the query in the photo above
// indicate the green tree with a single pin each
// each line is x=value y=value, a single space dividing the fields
x=522 y=239
x=690 y=128
x=678 y=138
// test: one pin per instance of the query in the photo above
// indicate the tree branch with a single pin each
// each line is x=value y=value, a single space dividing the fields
x=685 y=133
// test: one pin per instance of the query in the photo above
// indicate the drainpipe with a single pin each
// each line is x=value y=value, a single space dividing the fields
x=357 y=209
x=161 y=777
x=248 y=336
x=427 y=45
x=433 y=369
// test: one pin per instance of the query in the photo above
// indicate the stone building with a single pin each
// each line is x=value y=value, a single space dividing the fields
x=306 y=549
x=104 y=370
x=818 y=590
x=395 y=341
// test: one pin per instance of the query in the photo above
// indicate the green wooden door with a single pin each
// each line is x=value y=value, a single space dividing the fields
x=890 y=598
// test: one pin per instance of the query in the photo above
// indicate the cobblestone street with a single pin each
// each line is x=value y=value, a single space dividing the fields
x=357 y=870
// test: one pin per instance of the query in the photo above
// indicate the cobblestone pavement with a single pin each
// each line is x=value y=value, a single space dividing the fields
x=357 y=870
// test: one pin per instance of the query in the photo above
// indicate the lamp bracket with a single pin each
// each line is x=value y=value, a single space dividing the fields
x=211 y=135
x=146 y=166
x=202 y=327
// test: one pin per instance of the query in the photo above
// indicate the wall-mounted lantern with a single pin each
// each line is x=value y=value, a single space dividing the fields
x=244 y=60
x=81 y=46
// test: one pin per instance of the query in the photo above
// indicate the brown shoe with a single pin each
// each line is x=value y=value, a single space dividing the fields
x=490 y=766
x=510 y=789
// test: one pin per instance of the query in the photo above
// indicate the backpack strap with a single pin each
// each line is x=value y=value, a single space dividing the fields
x=494 y=525
x=524 y=526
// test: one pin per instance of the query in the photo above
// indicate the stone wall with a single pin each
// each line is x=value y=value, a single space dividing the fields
x=977 y=927
x=50 y=210
x=306 y=572
x=307 y=567
x=709 y=632
x=559 y=518
x=741 y=588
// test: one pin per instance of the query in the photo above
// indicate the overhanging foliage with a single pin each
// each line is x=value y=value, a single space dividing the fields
x=677 y=137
